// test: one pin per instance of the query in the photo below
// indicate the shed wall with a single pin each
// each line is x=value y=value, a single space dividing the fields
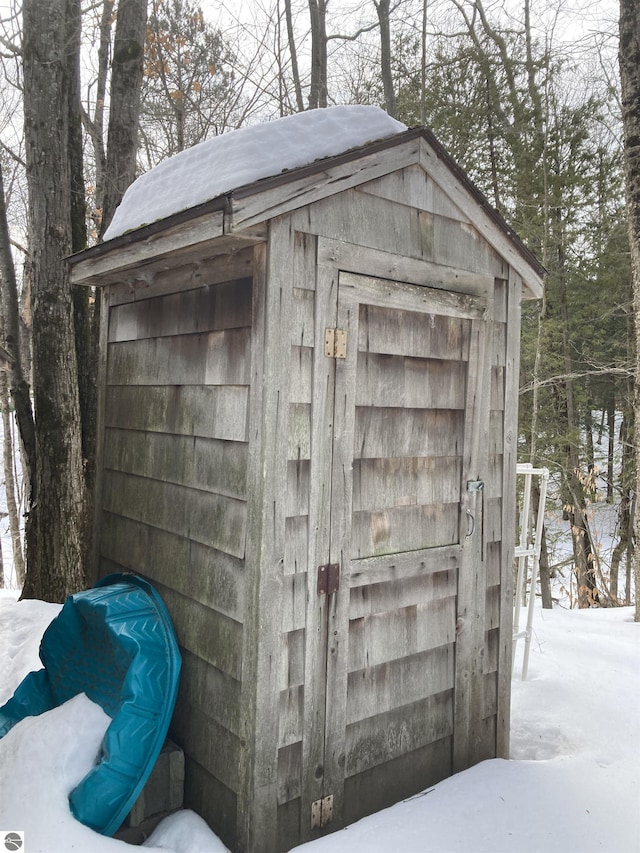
x=174 y=498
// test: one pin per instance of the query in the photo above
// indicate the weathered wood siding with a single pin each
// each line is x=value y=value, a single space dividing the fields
x=174 y=499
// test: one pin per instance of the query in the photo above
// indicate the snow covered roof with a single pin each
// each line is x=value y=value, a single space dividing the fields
x=243 y=156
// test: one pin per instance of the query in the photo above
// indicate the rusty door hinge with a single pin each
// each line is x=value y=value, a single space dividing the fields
x=335 y=343
x=321 y=812
x=328 y=578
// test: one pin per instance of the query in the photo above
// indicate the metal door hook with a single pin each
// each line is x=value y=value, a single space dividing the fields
x=471 y=528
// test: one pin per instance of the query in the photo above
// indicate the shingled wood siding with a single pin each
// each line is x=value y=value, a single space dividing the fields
x=174 y=499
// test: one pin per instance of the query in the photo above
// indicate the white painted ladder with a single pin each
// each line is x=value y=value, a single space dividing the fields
x=527 y=549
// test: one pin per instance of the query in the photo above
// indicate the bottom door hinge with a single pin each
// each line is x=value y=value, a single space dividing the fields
x=328 y=579
x=321 y=812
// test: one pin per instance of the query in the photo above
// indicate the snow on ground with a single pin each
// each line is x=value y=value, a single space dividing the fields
x=240 y=157
x=573 y=785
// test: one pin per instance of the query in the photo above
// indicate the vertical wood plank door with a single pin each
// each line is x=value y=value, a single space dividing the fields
x=406 y=438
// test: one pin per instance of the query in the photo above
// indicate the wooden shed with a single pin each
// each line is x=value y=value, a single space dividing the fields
x=308 y=432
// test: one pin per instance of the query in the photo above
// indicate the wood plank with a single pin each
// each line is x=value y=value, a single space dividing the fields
x=496 y=433
x=210 y=577
x=499 y=344
x=258 y=469
x=412 y=334
x=510 y=451
x=367 y=260
x=289 y=773
x=401 y=682
x=268 y=478
x=169 y=241
x=298 y=485
x=206 y=687
x=491 y=655
x=289 y=823
x=355 y=217
x=462 y=198
x=388 y=380
x=497 y=388
x=205 y=309
x=214 y=520
x=296 y=546
x=410 y=297
x=380 y=483
x=460 y=244
x=492 y=614
x=212 y=800
x=203 y=463
x=320 y=484
x=395 y=567
x=396 y=594
x=397 y=432
x=494 y=563
x=404 y=528
x=337 y=177
x=410 y=186
x=396 y=780
x=207 y=358
x=384 y=737
x=341 y=547
x=471 y=575
x=304 y=267
x=293 y=603
x=492 y=519
x=291 y=659
x=101 y=404
x=290 y=711
x=299 y=432
x=301 y=374
x=493 y=482
x=206 y=633
x=207 y=411
x=181 y=272
x=216 y=749
x=500 y=300
x=413 y=187
x=302 y=331
x=486 y=743
x=395 y=634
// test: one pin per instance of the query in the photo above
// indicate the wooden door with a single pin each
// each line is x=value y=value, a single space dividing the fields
x=404 y=522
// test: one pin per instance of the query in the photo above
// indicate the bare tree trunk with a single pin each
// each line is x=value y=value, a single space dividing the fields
x=611 y=428
x=382 y=8
x=294 y=57
x=629 y=58
x=625 y=520
x=56 y=525
x=423 y=64
x=126 y=81
x=20 y=390
x=318 y=88
x=574 y=499
x=10 y=482
x=81 y=295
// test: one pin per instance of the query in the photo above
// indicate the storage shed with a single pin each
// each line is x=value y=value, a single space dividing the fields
x=308 y=428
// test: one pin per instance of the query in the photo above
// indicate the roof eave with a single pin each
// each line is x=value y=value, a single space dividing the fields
x=225 y=203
